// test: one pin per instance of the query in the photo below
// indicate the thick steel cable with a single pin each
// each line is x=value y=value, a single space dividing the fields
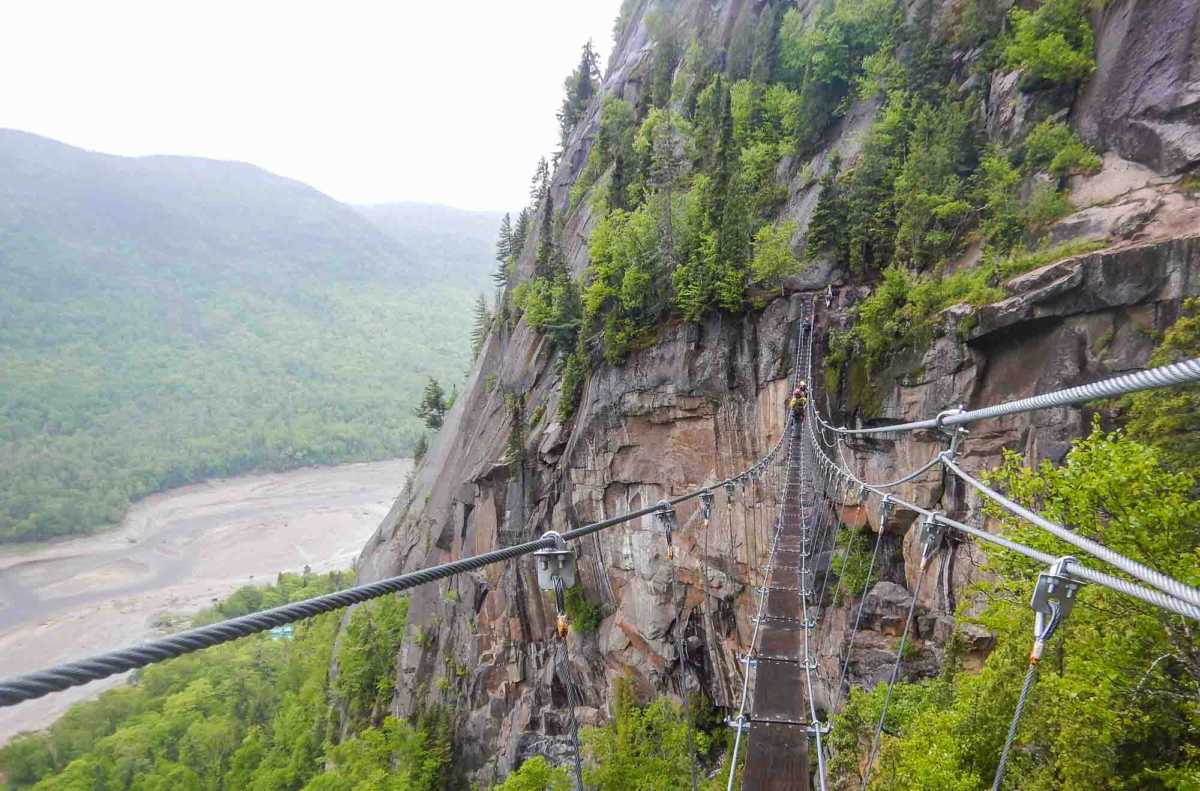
x=1035 y=656
x=568 y=677
x=1164 y=583
x=29 y=686
x=1002 y=767
x=887 y=696
x=858 y=617
x=809 y=659
x=1083 y=573
x=899 y=481
x=1180 y=373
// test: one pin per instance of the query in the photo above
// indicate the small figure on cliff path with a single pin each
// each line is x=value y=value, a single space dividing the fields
x=797 y=403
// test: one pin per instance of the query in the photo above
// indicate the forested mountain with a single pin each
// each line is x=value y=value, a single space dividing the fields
x=168 y=319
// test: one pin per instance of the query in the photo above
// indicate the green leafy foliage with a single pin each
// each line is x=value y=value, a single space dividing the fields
x=433 y=406
x=900 y=313
x=643 y=747
x=536 y=774
x=253 y=714
x=366 y=656
x=579 y=89
x=612 y=152
x=1052 y=43
x=574 y=373
x=1114 y=706
x=823 y=61
x=626 y=279
x=584 y=615
x=851 y=564
x=773 y=259
x=1053 y=146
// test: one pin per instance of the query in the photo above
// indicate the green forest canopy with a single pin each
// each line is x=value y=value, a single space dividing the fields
x=165 y=320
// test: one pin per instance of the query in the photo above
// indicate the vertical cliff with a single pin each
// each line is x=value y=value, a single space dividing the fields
x=699 y=400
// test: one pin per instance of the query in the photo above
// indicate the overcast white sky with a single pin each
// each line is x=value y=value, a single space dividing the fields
x=444 y=101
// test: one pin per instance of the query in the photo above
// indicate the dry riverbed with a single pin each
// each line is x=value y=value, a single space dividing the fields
x=175 y=553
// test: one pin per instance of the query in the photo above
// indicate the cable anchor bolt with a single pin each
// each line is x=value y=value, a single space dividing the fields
x=556 y=573
x=885 y=511
x=956 y=433
x=932 y=531
x=1053 y=597
x=666 y=516
x=818 y=727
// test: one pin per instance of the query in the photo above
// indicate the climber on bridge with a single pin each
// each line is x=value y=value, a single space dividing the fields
x=798 y=402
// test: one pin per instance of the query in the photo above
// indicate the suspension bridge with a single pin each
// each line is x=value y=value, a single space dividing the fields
x=777 y=716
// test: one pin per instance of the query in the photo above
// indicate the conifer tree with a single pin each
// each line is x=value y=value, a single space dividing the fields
x=580 y=87
x=539 y=185
x=545 y=251
x=504 y=252
x=826 y=228
x=504 y=243
x=433 y=406
x=483 y=325
x=520 y=231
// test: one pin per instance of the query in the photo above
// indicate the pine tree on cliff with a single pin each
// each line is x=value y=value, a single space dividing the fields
x=580 y=87
x=825 y=229
x=504 y=251
x=545 y=251
x=432 y=408
x=539 y=185
x=542 y=200
x=520 y=231
x=483 y=325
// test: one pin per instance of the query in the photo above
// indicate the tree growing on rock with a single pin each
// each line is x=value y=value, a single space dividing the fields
x=433 y=406
x=580 y=87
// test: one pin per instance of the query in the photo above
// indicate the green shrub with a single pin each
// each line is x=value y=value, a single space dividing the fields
x=1053 y=43
x=773 y=259
x=643 y=747
x=537 y=774
x=626 y=281
x=583 y=614
x=366 y=655
x=1054 y=147
x=853 y=570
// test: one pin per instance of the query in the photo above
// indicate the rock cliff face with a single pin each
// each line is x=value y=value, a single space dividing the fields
x=705 y=400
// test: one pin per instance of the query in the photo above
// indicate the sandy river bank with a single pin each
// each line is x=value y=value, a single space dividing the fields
x=173 y=554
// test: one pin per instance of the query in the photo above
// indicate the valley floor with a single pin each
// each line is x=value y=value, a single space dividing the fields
x=174 y=554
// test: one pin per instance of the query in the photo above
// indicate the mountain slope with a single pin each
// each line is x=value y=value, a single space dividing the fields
x=166 y=319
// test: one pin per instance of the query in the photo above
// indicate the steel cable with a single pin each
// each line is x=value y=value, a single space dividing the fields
x=1164 y=583
x=887 y=696
x=1184 y=372
x=29 y=686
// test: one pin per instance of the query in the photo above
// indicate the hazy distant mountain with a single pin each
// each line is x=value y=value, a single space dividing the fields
x=442 y=236
x=165 y=319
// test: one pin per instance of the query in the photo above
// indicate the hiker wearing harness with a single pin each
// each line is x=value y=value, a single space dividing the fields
x=797 y=403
